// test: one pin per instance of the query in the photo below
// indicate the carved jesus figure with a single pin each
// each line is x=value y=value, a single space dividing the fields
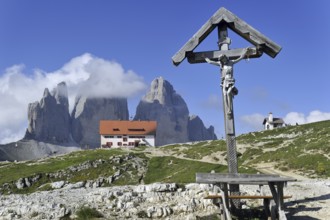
x=227 y=78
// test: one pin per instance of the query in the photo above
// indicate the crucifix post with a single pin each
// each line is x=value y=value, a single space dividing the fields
x=228 y=110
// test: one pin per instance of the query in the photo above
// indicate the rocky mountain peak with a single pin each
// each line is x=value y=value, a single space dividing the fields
x=160 y=90
x=61 y=94
x=49 y=119
x=46 y=93
x=164 y=105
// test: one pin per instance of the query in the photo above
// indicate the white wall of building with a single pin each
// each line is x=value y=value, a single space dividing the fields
x=269 y=126
x=116 y=141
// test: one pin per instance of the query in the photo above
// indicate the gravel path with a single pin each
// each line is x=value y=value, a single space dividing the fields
x=310 y=198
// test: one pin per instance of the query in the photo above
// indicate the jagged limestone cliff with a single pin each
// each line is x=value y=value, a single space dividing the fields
x=197 y=130
x=164 y=105
x=87 y=114
x=49 y=119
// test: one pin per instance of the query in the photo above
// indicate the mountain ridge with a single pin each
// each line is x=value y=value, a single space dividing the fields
x=49 y=120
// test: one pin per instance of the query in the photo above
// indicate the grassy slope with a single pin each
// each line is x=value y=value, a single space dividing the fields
x=171 y=169
x=13 y=171
x=304 y=148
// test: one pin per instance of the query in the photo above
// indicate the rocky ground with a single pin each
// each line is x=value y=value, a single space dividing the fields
x=310 y=200
x=159 y=201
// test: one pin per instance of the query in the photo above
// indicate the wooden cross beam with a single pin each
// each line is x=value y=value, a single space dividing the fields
x=199 y=57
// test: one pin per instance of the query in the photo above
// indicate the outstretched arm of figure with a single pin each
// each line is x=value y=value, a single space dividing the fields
x=212 y=62
x=245 y=52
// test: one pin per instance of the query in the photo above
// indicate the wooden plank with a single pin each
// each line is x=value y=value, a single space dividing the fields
x=240 y=178
x=199 y=57
x=245 y=197
x=252 y=35
x=233 y=175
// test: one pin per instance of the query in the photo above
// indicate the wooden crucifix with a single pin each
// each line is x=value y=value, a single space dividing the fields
x=225 y=59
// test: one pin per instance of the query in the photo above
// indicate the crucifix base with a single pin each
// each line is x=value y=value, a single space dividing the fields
x=233 y=169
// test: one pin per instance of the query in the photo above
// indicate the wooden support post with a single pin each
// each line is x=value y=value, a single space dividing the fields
x=224 y=194
x=280 y=198
x=266 y=204
x=274 y=193
x=224 y=188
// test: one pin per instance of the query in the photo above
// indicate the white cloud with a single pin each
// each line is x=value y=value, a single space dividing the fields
x=86 y=73
x=294 y=117
x=300 y=118
x=252 y=122
x=12 y=135
x=117 y=84
x=318 y=116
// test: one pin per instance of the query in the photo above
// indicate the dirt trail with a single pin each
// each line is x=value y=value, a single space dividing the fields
x=266 y=168
x=269 y=168
x=154 y=152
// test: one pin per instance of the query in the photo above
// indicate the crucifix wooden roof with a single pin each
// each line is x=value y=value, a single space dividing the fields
x=225 y=17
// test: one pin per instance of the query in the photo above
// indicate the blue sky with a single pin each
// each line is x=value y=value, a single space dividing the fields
x=43 y=42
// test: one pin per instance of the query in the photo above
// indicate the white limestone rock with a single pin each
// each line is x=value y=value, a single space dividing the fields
x=76 y=185
x=112 y=202
x=20 y=184
x=57 y=185
x=161 y=187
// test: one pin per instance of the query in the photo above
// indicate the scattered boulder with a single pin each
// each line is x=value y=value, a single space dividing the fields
x=20 y=184
x=57 y=185
x=27 y=181
x=161 y=187
x=76 y=185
